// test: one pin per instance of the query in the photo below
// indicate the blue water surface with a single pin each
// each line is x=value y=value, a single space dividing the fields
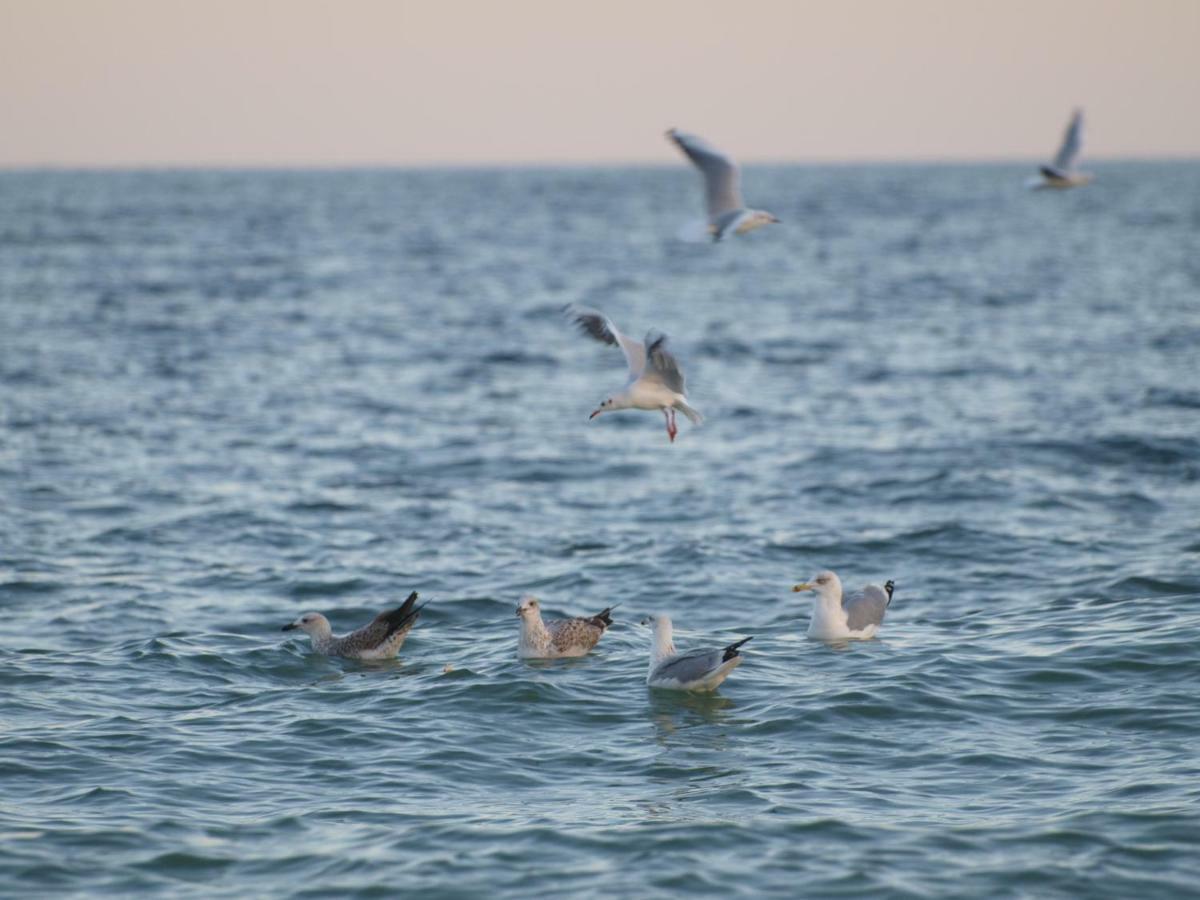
x=227 y=398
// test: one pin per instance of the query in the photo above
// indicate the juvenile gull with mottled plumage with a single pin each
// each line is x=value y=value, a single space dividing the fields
x=855 y=616
x=558 y=637
x=381 y=638
x=693 y=670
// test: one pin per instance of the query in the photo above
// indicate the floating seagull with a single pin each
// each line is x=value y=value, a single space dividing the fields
x=380 y=639
x=694 y=670
x=655 y=381
x=727 y=212
x=838 y=618
x=558 y=637
x=1061 y=173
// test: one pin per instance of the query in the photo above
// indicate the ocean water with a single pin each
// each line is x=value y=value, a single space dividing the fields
x=227 y=398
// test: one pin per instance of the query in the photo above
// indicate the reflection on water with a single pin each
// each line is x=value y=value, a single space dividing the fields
x=676 y=714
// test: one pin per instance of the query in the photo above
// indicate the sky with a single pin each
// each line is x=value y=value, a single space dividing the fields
x=466 y=82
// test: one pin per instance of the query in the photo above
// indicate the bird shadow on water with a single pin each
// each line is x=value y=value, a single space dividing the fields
x=323 y=670
x=674 y=713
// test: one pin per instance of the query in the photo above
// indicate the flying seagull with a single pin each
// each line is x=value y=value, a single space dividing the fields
x=381 y=638
x=1061 y=173
x=655 y=381
x=727 y=212
x=558 y=637
x=693 y=670
x=837 y=618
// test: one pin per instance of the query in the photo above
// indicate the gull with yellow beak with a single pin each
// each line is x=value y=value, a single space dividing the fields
x=842 y=618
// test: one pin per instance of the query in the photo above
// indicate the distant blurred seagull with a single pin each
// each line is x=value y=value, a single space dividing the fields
x=837 y=618
x=655 y=381
x=1061 y=172
x=558 y=637
x=380 y=639
x=693 y=670
x=727 y=212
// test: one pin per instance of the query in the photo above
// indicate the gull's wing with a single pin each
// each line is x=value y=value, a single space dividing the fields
x=1071 y=143
x=688 y=667
x=382 y=627
x=693 y=665
x=865 y=607
x=579 y=632
x=661 y=363
x=722 y=183
x=600 y=327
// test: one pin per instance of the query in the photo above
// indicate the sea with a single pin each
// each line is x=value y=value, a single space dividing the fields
x=228 y=398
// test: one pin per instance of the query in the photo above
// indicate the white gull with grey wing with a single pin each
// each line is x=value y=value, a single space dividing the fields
x=1061 y=173
x=655 y=381
x=855 y=616
x=702 y=669
x=727 y=211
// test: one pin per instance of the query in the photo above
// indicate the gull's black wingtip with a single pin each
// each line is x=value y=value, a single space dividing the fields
x=732 y=650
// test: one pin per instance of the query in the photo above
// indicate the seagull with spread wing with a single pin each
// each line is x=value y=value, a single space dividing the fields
x=1061 y=173
x=727 y=212
x=655 y=381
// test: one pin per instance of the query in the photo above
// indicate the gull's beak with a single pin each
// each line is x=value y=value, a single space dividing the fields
x=596 y=413
x=518 y=610
x=289 y=627
x=806 y=586
x=775 y=219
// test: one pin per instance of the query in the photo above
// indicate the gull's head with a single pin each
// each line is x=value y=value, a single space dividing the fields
x=528 y=607
x=657 y=621
x=752 y=219
x=823 y=584
x=310 y=623
x=606 y=406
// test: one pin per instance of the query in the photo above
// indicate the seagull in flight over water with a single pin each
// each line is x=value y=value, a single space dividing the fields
x=655 y=381
x=727 y=212
x=1061 y=173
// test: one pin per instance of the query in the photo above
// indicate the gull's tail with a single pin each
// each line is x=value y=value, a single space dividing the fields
x=732 y=650
x=691 y=413
x=603 y=619
x=403 y=616
x=697 y=231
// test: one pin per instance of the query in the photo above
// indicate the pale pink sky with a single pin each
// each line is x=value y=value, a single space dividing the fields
x=319 y=82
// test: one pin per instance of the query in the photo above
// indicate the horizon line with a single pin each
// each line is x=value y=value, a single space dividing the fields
x=491 y=165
